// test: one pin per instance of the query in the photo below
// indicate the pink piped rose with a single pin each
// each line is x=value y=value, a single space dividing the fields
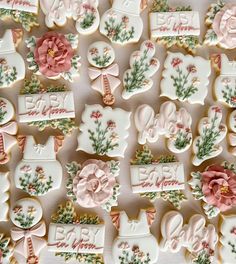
x=219 y=187
x=53 y=54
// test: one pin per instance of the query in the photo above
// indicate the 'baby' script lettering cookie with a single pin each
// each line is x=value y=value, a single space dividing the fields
x=20 y=5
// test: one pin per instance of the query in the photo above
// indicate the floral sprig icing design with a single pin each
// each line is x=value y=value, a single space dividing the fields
x=87 y=16
x=8 y=74
x=24 y=220
x=101 y=60
x=3 y=111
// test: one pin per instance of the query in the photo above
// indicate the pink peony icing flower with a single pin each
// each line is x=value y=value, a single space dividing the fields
x=53 y=54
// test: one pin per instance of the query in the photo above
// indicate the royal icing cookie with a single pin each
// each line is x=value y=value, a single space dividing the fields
x=232 y=134
x=196 y=237
x=174 y=125
x=220 y=198
x=185 y=78
x=220 y=20
x=39 y=172
x=104 y=73
x=12 y=65
x=6 y=250
x=93 y=183
x=134 y=243
x=174 y=26
x=8 y=129
x=137 y=79
x=4 y=197
x=122 y=23
x=83 y=12
x=54 y=56
x=29 y=231
x=104 y=131
x=211 y=133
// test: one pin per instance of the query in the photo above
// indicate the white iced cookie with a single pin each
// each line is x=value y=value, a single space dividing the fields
x=134 y=243
x=174 y=125
x=39 y=172
x=4 y=196
x=185 y=78
x=122 y=23
x=83 y=12
x=104 y=73
x=232 y=134
x=137 y=79
x=6 y=250
x=211 y=133
x=104 y=131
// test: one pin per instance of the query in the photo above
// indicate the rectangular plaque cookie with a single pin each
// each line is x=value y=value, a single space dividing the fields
x=30 y=6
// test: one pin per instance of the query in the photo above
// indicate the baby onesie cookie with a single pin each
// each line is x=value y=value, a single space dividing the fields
x=54 y=56
x=29 y=231
x=104 y=131
x=76 y=237
x=220 y=198
x=8 y=129
x=38 y=172
x=122 y=23
x=83 y=12
x=4 y=197
x=12 y=65
x=174 y=26
x=51 y=106
x=232 y=134
x=174 y=125
x=185 y=78
x=104 y=73
x=211 y=133
x=6 y=250
x=134 y=243
x=143 y=66
x=196 y=237
x=93 y=183
x=220 y=20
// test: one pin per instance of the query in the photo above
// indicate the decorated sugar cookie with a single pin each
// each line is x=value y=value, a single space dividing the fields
x=134 y=243
x=8 y=129
x=104 y=131
x=12 y=65
x=51 y=106
x=122 y=23
x=39 y=172
x=185 y=78
x=29 y=232
x=222 y=196
x=211 y=133
x=143 y=66
x=174 y=26
x=83 y=12
x=76 y=237
x=4 y=196
x=196 y=237
x=104 y=73
x=93 y=183
x=232 y=134
x=174 y=125
x=54 y=56
x=6 y=250
x=220 y=20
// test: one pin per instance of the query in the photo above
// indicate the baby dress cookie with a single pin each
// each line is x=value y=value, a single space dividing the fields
x=104 y=73
x=4 y=196
x=76 y=237
x=174 y=26
x=185 y=78
x=93 y=183
x=174 y=125
x=211 y=133
x=137 y=79
x=12 y=65
x=122 y=23
x=196 y=237
x=232 y=134
x=134 y=243
x=38 y=172
x=6 y=250
x=54 y=56
x=83 y=12
x=28 y=234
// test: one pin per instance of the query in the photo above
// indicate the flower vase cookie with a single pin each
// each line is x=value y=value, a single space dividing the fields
x=4 y=197
x=143 y=65
x=6 y=250
x=76 y=237
x=104 y=74
x=29 y=232
x=122 y=23
x=232 y=133
x=93 y=183
x=54 y=56
x=134 y=243
x=83 y=12
x=174 y=125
